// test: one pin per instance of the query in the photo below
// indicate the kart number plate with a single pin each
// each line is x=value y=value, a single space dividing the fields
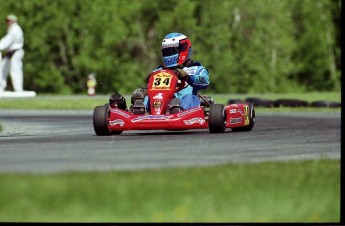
x=161 y=81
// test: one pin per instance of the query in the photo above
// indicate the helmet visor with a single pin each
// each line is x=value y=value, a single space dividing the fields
x=170 y=51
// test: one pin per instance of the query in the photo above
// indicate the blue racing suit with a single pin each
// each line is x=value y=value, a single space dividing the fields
x=198 y=79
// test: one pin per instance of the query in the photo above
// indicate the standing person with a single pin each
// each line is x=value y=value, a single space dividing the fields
x=12 y=46
x=1 y=90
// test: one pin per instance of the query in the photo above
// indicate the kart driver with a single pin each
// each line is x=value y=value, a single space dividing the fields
x=176 y=52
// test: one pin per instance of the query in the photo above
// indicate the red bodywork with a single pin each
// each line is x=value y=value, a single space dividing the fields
x=161 y=88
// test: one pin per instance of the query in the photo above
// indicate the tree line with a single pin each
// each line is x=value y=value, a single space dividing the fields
x=248 y=46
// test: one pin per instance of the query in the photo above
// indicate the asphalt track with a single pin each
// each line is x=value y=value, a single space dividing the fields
x=34 y=141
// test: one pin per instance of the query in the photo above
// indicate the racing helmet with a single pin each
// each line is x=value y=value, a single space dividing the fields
x=176 y=49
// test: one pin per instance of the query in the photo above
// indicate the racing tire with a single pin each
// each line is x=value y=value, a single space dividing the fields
x=291 y=103
x=251 y=121
x=114 y=132
x=100 y=120
x=258 y=102
x=326 y=104
x=217 y=119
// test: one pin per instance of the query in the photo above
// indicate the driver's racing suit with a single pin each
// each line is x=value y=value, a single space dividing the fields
x=198 y=79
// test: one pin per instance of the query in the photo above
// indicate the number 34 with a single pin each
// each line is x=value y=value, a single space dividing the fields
x=159 y=82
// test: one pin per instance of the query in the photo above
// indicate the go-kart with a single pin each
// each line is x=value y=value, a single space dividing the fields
x=161 y=87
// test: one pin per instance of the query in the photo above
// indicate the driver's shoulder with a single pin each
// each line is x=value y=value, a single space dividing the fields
x=196 y=67
x=195 y=64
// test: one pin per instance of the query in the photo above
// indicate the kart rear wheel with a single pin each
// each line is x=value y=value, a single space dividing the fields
x=100 y=120
x=217 y=119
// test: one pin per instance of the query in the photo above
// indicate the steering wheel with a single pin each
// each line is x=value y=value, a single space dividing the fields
x=183 y=84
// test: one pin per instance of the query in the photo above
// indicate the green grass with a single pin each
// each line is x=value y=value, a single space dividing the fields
x=54 y=102
x=303 y=191
x=311 y=96
x=84 y=102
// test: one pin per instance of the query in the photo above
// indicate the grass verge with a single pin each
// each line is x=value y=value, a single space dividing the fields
x=303 y=191
x=84 y=102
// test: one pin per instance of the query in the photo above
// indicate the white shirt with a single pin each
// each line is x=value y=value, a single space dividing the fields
x=14 y=39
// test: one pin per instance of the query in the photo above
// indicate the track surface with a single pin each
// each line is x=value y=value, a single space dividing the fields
x=59 y=141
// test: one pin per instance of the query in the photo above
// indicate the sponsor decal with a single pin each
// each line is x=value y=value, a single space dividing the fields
x=246 y=110
x=170 y=45
x=235 y=120
x=157 y=110
x=246 y=120
x=116 y=111
x=157 y=104
x=188 y=111
x=246 y=115
x=158 y=96
x=194 y=120
x=233 y=111
x=151 y=117
x=163 y=74
x=117 y=122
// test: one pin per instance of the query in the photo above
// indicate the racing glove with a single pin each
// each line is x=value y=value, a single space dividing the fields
x=181 y=74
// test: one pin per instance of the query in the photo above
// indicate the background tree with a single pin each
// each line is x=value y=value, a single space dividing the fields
x=247 y=45
x=317 y=50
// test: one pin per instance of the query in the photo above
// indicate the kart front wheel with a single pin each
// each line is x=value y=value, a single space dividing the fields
x=217 y=119
x=100 y=120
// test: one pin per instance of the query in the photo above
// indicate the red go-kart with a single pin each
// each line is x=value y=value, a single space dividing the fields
x=162 y=86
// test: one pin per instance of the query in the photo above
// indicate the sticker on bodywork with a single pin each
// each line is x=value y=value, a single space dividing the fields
x=161 y=81
x=116 y=111
x=188 y=111
x=233 y=111
x=246 y=115
x=194 y=120
x=235 y=120
x=151 y=117
x=158 y=96
x=117 y=122
x=157 y=104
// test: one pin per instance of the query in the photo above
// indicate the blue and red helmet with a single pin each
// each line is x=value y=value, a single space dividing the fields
x=176 y=49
